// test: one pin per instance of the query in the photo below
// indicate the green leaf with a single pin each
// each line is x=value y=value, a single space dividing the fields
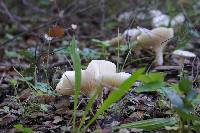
x=151 y=82
x=185 y=85
x=77 y=67
x=150 y=87
x=151 y=124
x=101 y=43
x=11 y=54
x=26 y=54
x=186 y=115
x=44 y=87
x=27 y=130
x=152 y=77
x=117 y=94
x=18 y=126
x=13 y=82
x=174 y=98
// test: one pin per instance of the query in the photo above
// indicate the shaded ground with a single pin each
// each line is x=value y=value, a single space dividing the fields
x=24 y=50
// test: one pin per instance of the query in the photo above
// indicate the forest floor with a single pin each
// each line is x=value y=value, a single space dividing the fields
x=27 y=59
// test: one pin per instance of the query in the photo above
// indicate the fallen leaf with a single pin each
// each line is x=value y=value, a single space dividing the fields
x=57 y=119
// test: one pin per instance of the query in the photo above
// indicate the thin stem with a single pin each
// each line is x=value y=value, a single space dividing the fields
x=129 y=52
x=49 y=44
x=118 y=50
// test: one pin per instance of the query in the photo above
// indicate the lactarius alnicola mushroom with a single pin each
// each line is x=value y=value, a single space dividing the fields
x=130 y=34
x=156 y=40
x=183 y=55
x=98 y=74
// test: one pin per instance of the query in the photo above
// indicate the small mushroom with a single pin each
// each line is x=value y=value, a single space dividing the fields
x=178 y=20
x=156 y=40
x=130 y=34
x=159 y=19
x=97 y=74
x=183 y=55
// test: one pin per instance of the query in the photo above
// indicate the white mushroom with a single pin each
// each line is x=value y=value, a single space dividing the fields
x=115 y=79
x=159 y=19
x=131 y=34
x=183 y=55
x=125 y=17
x=177 y=20
x=156 y=40
x=97 y=74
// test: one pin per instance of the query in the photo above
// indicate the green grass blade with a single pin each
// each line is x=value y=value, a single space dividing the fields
x=77 y=67
x=89 y=105
x=117 y=94
x=150 y=124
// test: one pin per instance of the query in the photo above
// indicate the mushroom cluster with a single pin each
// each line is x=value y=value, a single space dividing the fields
x=161 y=19
x=98 y=74
x=155 y=40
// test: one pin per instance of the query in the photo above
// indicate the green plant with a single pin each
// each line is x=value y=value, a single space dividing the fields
x=184 y=98
x=23 y=129
x=148 y=125
x=77 y=68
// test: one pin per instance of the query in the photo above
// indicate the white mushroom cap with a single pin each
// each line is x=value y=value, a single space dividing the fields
x=66 y=84
x=156 y=40
x=115 y=79
x=131 y=33
x=155 y=13
x=125 y=17
x=91 y=78
x=93 y=75
x=177 y=20
x=161 y=20
x=185 y=54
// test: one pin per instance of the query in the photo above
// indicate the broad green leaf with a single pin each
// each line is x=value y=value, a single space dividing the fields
x=150 y=87
x=152 y=77
x=150 y=124
x=174 y=98
x=117 y=94
x=151 y=82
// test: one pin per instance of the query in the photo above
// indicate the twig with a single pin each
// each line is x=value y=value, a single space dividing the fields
x=10 y=16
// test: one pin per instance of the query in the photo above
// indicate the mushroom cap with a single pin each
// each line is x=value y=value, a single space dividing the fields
x=157 y=37
x=115 y=79
x=185 y=54
x=65 y=86
x=178 y=19
x=131 y=33
x=93 y=75
x=155 y=13
x=160 y=20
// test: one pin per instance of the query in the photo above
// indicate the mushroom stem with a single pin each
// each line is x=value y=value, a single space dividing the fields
x=159 y=56
x=181 y=61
